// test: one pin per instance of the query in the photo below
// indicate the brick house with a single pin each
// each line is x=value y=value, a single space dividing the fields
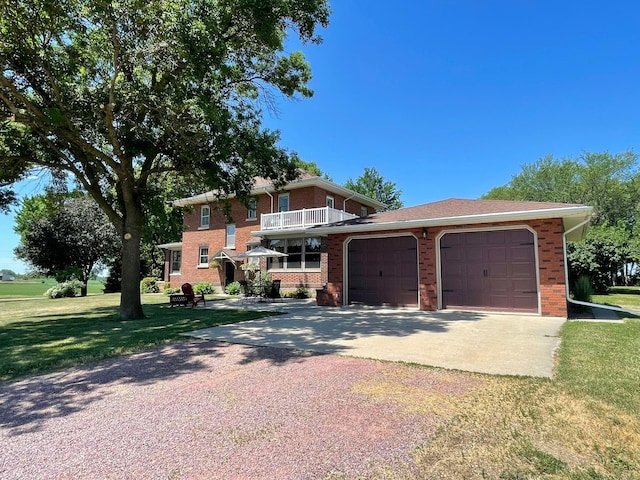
x=458 y=254
x=276 y=219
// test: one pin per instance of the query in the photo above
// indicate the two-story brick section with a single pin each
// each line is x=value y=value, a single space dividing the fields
x=453 y=254
x=211 y=241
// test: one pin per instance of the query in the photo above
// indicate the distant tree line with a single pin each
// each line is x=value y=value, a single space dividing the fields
x=610 y=254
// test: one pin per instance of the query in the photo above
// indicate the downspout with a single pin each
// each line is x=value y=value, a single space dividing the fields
x=271 y=197
x=344 y=203
x=566 y=278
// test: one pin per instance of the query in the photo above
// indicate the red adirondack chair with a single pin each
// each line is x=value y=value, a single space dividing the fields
x=187 y=289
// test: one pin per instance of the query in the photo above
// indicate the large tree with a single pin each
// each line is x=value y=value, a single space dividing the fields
x=115 y=93
x=372 y=184
x=609 y=183
x=69 y=241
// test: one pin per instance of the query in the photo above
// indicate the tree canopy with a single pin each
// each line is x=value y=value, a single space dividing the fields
x=609 y=183
x=372 y=184
x=68 y=241
x=116 y=93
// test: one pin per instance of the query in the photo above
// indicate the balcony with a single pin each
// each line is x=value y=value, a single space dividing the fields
x=307 y=217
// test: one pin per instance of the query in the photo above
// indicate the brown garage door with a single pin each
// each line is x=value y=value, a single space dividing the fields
x=489 y=270
x=383 y=271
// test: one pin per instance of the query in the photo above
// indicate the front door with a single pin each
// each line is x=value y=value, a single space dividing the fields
x=229 y=272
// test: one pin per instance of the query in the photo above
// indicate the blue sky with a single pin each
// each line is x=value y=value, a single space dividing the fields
x=450 y=98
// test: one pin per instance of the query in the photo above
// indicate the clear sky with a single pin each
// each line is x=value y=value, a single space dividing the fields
x=449 y=98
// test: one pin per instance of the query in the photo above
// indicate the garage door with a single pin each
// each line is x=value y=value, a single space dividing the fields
x=383 y=271
x=489 y=270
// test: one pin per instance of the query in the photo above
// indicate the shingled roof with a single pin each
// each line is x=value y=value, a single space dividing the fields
x=458 y=207
x=456 y=211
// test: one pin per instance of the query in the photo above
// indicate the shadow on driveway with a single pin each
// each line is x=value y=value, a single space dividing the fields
x=510 y=344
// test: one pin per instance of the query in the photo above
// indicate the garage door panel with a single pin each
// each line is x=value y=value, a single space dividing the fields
x=489 y=269
x=390 y=276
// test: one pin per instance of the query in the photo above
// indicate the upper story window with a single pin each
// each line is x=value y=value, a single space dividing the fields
x=176 y=260
x=203 y=256
x=230 y=237
x=364 y=211
x=283 y=202
x=252 y=209
x=331 y=202
x=205 y=215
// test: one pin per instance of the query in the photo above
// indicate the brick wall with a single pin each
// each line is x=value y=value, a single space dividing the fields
x=550 y=257
x=214 y=237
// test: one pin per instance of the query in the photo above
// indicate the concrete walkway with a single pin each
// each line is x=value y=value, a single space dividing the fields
x=491 y=343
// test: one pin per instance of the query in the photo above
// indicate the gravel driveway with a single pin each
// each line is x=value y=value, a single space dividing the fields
x=203 y=409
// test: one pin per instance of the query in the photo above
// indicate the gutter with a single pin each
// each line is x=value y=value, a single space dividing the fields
x=566 y=278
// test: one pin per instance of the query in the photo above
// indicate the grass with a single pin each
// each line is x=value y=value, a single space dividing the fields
x=582 y=425
x=43 y=335
x=36 y=288
x=625 y=297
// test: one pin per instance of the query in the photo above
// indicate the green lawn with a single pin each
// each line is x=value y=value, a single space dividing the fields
x=582 y=425
x=37 y=336
x=36 y=288
x=602 y=361
x=625 y=297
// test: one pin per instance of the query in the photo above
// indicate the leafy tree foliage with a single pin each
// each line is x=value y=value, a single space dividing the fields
x=71 y=242
x=609 y=183
x=373 y=185
x=117 y=93
x=310 y=167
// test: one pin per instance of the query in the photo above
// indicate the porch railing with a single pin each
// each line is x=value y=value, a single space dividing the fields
x=307 y=217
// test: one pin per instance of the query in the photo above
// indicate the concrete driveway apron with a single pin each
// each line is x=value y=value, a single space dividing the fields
x=508 y=344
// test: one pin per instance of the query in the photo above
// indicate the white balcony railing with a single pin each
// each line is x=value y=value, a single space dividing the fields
x=307 y=217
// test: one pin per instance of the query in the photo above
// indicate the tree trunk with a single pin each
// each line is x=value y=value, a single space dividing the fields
x=84 y=288
x=130 y=302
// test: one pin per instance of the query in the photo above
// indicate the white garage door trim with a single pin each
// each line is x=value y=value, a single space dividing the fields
x=345 y=260
x=486 y=229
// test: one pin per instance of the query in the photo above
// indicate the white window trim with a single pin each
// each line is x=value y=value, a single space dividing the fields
x=200 y=264
x=171 y=262
x=303 y=254
x=253 y=202
x=332 y=200
x=207 y=216
x=284 y=195
x=226 y=236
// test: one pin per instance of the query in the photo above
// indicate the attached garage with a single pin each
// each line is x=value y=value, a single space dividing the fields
x=493 y=270
x=383 y=271
x=494 y=255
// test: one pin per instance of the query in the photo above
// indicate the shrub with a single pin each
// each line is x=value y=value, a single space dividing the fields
x=170 y=291
x=203 y=288
x=299 y=293
x=69 y=288
x=233 y=289
x=149 y=285
x=582 y=289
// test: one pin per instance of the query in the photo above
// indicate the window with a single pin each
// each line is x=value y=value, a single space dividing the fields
x=303 y=253
x=205 y=213
x=252 y=210
x=231 y=236
x=203 y=256
x=331 y=202
x=312 y=252
x=283 y=202
x=176 y=260
x=364 y=211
